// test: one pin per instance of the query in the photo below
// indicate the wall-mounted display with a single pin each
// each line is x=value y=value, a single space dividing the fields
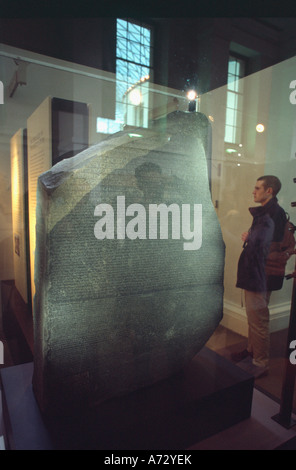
x=57 y=129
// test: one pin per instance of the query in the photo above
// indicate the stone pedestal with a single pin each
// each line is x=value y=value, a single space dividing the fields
x=209 y=395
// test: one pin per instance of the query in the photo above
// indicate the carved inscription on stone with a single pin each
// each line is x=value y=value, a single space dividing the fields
x=119 y=312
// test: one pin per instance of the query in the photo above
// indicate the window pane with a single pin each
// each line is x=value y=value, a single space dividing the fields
x=134 y=52
x=145 y=55
x=231 y=67
x=146 y=37
x=132 y=63
x=134 y=31
x=229 y=134
x=231 y=117
x=231 y=100
x=121 y=28
x=233 y=84
x=121 y=69
x=234 y=102
x=121 y=48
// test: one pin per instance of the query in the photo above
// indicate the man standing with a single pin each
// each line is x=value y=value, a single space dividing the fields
x=269 y=221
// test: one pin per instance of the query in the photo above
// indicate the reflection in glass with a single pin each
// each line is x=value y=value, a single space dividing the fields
x=132 y=60
x=234 y=103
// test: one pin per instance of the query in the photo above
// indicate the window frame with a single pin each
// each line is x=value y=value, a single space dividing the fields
x=238 y=95
x=132 y=63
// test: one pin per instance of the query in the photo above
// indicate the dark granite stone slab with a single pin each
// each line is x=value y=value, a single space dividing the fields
x=117 y=314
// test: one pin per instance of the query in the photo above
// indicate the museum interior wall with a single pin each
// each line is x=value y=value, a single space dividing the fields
x=266 y=98
x=90 y=79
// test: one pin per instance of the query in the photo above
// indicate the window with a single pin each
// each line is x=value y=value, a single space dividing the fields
x=234 y=104
x=133 y=68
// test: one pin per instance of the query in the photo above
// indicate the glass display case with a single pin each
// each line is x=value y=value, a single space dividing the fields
x=53 y=110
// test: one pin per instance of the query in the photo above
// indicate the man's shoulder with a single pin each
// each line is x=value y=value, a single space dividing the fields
x=277 y=209
x=283 y=214
x=280 y=218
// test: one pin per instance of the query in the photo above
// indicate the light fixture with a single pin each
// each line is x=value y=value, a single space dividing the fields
x=260 y=128
x=191 y=95
x=134 y=135
x=139 y=82
x=135 y=97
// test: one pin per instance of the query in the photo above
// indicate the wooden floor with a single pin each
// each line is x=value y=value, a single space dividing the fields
x=225 y=339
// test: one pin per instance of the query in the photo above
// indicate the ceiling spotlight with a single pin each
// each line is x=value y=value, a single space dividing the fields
x=260 y=128
x=191 y=95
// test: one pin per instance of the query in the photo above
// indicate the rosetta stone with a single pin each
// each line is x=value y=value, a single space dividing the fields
x=112 y=316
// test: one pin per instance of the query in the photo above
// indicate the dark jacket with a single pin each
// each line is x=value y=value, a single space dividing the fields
x=268 y=225
x=280 y=250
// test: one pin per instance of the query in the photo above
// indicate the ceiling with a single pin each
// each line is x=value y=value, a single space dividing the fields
x=281 y=24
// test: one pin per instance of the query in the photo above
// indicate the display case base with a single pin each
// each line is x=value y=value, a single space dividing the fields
x=208 y=396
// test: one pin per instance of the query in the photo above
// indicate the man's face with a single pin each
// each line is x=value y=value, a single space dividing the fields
x=261 y=194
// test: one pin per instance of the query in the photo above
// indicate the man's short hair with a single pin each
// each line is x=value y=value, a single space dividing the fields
x=270 y=181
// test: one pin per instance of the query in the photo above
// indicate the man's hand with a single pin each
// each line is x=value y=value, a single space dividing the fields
x=245 y=236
